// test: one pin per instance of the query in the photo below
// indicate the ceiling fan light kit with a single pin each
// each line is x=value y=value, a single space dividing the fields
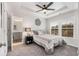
x=44 y=7
x=44 y=11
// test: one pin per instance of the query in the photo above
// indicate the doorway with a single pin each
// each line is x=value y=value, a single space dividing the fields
x=17 y=31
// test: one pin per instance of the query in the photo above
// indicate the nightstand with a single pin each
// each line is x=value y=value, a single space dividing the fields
x=28 y=39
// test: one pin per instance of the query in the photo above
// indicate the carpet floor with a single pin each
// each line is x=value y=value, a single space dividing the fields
x=35 y=50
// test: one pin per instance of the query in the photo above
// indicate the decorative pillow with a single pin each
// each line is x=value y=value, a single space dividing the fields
x=35 y=32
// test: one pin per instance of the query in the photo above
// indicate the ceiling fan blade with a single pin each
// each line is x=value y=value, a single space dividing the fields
x=49 y=4
x=50 y=9
x=39 y=6
x=38 y=10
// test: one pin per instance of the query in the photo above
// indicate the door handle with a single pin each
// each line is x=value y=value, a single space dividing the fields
x=2 y=44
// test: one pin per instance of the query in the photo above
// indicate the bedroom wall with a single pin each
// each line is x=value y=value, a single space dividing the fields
x=69 y=17
x=29 y=21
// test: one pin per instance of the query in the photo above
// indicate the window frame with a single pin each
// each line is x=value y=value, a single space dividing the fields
x=67 y=28
x=55 y=30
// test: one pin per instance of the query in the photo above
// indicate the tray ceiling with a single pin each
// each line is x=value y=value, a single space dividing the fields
x=23 y=9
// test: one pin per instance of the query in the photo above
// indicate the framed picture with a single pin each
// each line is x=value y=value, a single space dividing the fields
x=28 y=29
x=15 y=27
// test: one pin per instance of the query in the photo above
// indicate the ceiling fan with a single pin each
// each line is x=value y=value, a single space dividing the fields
x=45 y=7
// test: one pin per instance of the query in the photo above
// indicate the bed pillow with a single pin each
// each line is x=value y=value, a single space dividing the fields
x=40 y=32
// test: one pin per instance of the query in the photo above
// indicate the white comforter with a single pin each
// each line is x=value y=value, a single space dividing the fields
x=48 y=41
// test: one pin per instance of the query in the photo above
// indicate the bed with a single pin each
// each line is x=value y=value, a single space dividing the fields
x=48 y=41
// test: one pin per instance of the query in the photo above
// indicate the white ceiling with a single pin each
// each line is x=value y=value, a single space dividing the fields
x=22 y=9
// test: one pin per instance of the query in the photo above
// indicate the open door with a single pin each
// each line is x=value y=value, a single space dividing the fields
x=3 y=30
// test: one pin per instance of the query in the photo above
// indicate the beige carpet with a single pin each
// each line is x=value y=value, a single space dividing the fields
x=35 y=50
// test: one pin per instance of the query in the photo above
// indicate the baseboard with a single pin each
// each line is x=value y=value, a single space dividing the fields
x=72 y=45
x=17 y=43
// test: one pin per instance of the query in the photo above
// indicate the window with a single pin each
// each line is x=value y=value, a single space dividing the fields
x=54 y=30
x=67 y=30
